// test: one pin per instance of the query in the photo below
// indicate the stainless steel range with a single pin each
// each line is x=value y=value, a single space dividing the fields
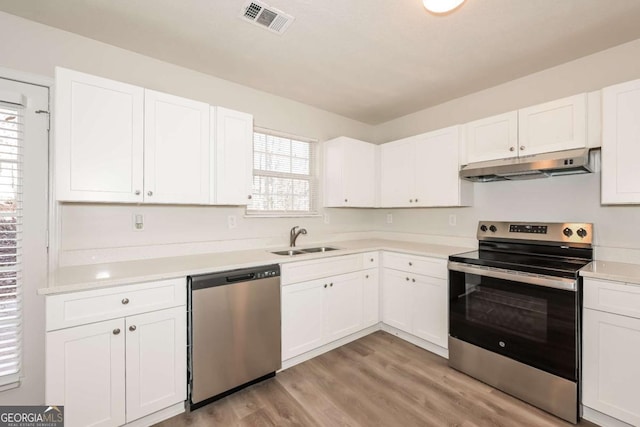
x=515 y=311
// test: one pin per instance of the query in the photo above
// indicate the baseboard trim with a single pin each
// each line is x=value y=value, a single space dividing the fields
x=601 y=419
x=433 y=348
x=156 y=417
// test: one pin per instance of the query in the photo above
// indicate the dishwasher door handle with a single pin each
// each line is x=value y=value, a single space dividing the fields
x=241 y=278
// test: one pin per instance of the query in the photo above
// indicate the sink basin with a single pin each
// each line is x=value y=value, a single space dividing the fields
x=320 y=249
x=290 y=252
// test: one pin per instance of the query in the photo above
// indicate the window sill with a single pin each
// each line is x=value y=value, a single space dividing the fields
x=282 y=215
x=10 y=386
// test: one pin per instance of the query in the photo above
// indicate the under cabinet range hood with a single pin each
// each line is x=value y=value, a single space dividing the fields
x=544 y=165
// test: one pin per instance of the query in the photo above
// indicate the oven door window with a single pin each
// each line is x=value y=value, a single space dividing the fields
x=532 y=324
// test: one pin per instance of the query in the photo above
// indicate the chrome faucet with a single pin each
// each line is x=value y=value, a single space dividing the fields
x=293 y=235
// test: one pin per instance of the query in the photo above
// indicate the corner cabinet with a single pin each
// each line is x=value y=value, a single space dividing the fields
x=99 y=137
x=116 y=355
x=231 y=157
x=553 y=126
x=350 y=178
x=422 y=171
x=621 y=143
x=611 y=349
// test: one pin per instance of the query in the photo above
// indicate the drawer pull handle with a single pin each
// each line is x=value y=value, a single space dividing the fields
x=125 y=301
x=132 y=328
x=116 y=331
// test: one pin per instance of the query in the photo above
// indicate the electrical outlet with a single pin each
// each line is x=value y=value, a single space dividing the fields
x=389 y=218
x=138 y=222
x=327 y=219
x=452 y=220
x=232 y=221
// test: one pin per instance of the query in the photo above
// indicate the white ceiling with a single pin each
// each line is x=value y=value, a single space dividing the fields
x=371 y=60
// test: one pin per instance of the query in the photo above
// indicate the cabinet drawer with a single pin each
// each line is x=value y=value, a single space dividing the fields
x=83 y=307
x=433 y=267
x=303 y=271
x=370 y=260
x=612 y=297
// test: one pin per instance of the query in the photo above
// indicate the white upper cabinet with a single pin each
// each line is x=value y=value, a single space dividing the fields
x=492 y=138
x=553 y=126
x=422 y=171
x=99 y=139
x=176 y=149
x=231 y=157
x=350 y=177
x=621 y=143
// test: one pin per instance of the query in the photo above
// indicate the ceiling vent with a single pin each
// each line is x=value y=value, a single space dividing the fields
x=266 y=17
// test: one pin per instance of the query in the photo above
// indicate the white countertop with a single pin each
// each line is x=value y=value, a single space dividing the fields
x=85 y=277
x=609 y=270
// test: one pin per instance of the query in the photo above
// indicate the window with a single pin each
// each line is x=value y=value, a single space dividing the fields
x=284 y=180
x=11 y=134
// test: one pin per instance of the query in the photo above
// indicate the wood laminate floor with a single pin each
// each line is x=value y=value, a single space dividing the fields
x=378 y=380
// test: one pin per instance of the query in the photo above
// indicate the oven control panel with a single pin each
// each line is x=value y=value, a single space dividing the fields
x=560 y=232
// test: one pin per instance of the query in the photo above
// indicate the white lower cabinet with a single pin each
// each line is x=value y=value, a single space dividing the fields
x=416 y=303
x=611 y=350
x=371 y=297
x=115 y=371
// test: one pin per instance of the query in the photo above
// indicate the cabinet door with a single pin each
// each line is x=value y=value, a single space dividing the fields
x=344 y=304
x=302 y=317
x=492 y=138
x=233 y=157
x=397 y=173
x=99 y=139
x=430 y=309
x=610 y=365
x=360 y=174
x=176 y=155
x=85 y=372
x=553 y=126
x=396 y=299
x=437 y=166
x=621 y=143
x=335 y=193
x=156 y=361
x=371 y=297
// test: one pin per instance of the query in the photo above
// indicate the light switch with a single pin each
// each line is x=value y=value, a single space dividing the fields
x=138 y=222
x=232 y=221
x=389 y=218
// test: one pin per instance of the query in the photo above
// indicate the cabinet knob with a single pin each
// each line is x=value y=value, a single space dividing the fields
x=413 y=280
x=522 y=147
x=137 y=193
x=410 y=200
x=366 y=276
x=331 y=285
x=371 y=259
x=132 y=328
x=149 y=193
x=416 y=200
x=407 y=279
x=410 y=264
x=325 y=285
x=346 y=200
x=512 y=148
x=116 y=331
x=249 y=197
x=125 y=301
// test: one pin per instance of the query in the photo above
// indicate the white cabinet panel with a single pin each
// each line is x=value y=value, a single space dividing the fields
x=99 y=139
x=397 y=175
x=156 y=361
x=611 y=372
x=85 y=372
x=303 y=311
x=344 y=306
x=176 y=157
x=396 y=299
x=232 y=157
x=492 y=138
x=350 y=177
x=553 y=126
x=371 y=291
x=430 y=309
x=621 y=143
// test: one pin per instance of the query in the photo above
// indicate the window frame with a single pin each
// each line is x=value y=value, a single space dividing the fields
x=312 y=177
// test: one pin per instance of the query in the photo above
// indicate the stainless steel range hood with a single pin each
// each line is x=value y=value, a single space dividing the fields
x=529 y=167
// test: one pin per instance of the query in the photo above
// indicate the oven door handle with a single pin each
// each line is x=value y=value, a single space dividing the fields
x=531 y=279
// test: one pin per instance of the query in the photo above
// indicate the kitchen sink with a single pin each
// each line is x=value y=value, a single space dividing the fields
x=290 y=252
x=320 y=249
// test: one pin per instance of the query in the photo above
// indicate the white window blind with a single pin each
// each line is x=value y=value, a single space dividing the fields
x=11 y=138
x=284 y=174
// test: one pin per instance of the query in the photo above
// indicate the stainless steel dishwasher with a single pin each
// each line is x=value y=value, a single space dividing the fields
x=234 y=331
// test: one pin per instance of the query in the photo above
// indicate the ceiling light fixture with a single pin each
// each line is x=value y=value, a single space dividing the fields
x=441 y=6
